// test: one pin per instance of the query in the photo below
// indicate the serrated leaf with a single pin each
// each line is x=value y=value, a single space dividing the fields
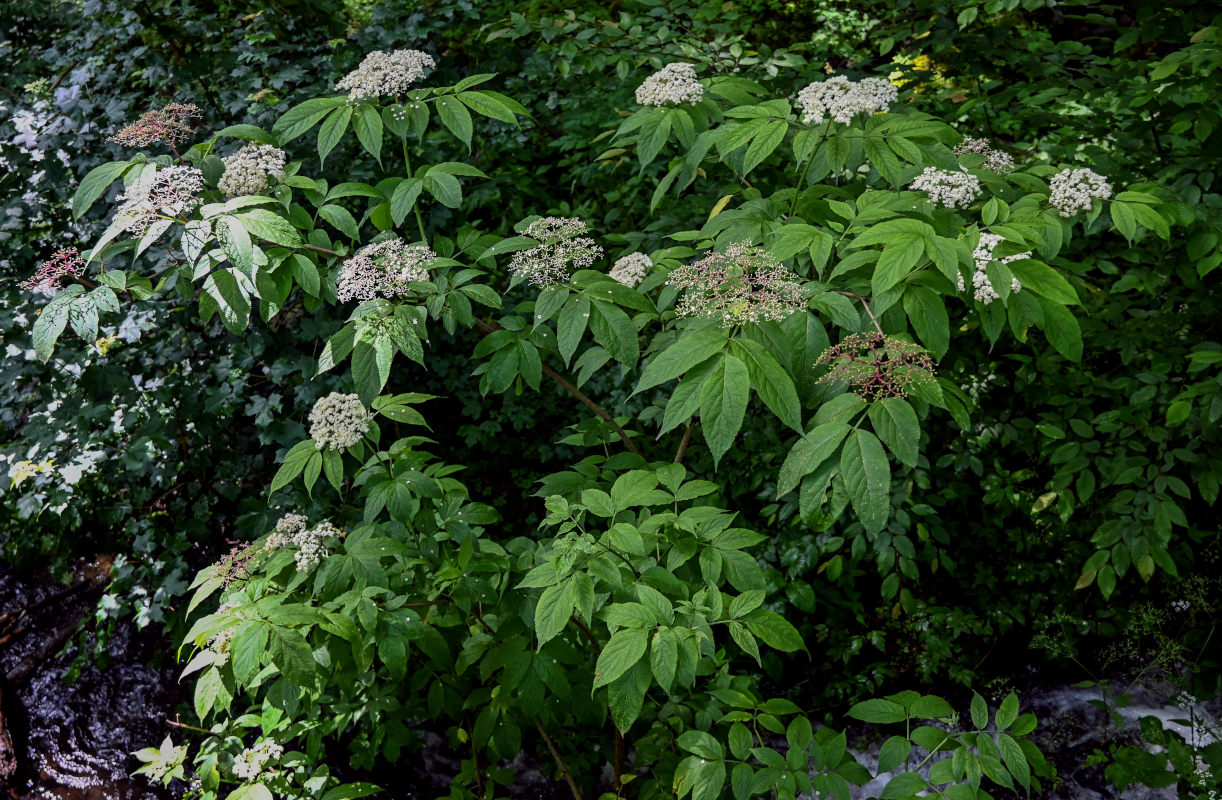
x=867 y=478
x=620 y=654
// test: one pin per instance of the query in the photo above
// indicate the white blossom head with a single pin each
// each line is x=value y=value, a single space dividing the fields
x=170 y=192
x=674 y=84
x=630 y=269
x=248 y=765
x=1073 y=190
x=982 y=287
x=842 y=99
x=742 y=284
x=338 y=421
x=950 y=189
x=561 y=249
x=994 y=160
x=312 y=545
x=384 y=268
x=386 y=74
x=286 y=527
x=247 y=171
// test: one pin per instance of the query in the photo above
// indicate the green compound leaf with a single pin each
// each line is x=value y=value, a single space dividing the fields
x=723 y=404
x=867 y=477
x=620 y=655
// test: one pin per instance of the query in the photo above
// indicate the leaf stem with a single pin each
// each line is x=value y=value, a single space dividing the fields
x=866 y=306
x=415 y=203
x=564 y=768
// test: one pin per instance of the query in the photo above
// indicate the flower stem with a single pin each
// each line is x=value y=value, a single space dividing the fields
x=415 y=204
x=866 y=306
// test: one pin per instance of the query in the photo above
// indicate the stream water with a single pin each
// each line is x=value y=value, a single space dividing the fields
x=72 y=741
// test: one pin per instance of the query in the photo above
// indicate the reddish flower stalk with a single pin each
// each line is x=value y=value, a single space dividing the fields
x=64 y=263
x=875 y=366
x=169 y=124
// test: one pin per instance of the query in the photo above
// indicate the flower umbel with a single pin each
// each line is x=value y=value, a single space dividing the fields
x=950 y=189
x=170 y=192
x=674 y=84
x=386 y=268
x=842 y=99
x=562 y=249
x=386 y=74
x=250 y=762
x=286 y=528
x=742 y=284
x=983 y=255
x=338 y=421
x=876 y=366
x=64 y=263
x=1073 y=190
x=169 y=124
x=630 y=269
x=994 y=160
x=247 y=171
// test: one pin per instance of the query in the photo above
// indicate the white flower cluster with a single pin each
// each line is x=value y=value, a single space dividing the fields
x=386 y=74
x=1073 y=189
x=247 y=171
x=386 y=268
x=842 y=99
x=173 y=191
x=674 y=84
x=338 y=421
x=1181 y=605
x=562 y=249
x=630 y=269
x=983 y=287
x=994 y=160
x=742 y=284
x=286 y=528
x=312 y=545
x=950 y=189
x=249 y=763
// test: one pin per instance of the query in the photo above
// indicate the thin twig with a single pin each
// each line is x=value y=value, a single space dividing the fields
x=687 y=439
x=489 y=327
x=866 y=306
x=564 y=768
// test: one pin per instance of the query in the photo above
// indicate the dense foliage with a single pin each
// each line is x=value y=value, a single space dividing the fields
x=646 y=387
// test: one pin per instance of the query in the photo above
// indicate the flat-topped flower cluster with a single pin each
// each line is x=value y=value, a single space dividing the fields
x=843 y=99
x=384 y=268
x=674 y=84
x=561 y=249
x=386 y=74
x=1074 y=189
x=982 y=286
x=950 y=189
x=338 y=421
x=743 y=284
x=172 y=192
x=247 y=171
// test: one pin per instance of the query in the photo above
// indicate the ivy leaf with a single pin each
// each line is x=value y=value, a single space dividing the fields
x=723 y=404
x=867 y=477
x=621 y=653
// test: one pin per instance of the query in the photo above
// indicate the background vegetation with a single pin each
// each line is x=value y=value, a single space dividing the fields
x=1064 y=515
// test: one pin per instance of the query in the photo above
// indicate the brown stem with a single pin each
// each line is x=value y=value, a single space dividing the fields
x=178 y=724
x=619 y=763
x=589 y=634
x=318 y=249
x=489 y=327
x=90 y=284
x=564 y=768
x=866 y=306
x=687 y=439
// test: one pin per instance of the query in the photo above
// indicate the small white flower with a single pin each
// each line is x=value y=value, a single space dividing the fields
x=249 y=764
x=1073 y=190
x=338 y=421
x=630 y=269
x=170 y=192
x=950 y=189
x=842 y=99
x=674 y=84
